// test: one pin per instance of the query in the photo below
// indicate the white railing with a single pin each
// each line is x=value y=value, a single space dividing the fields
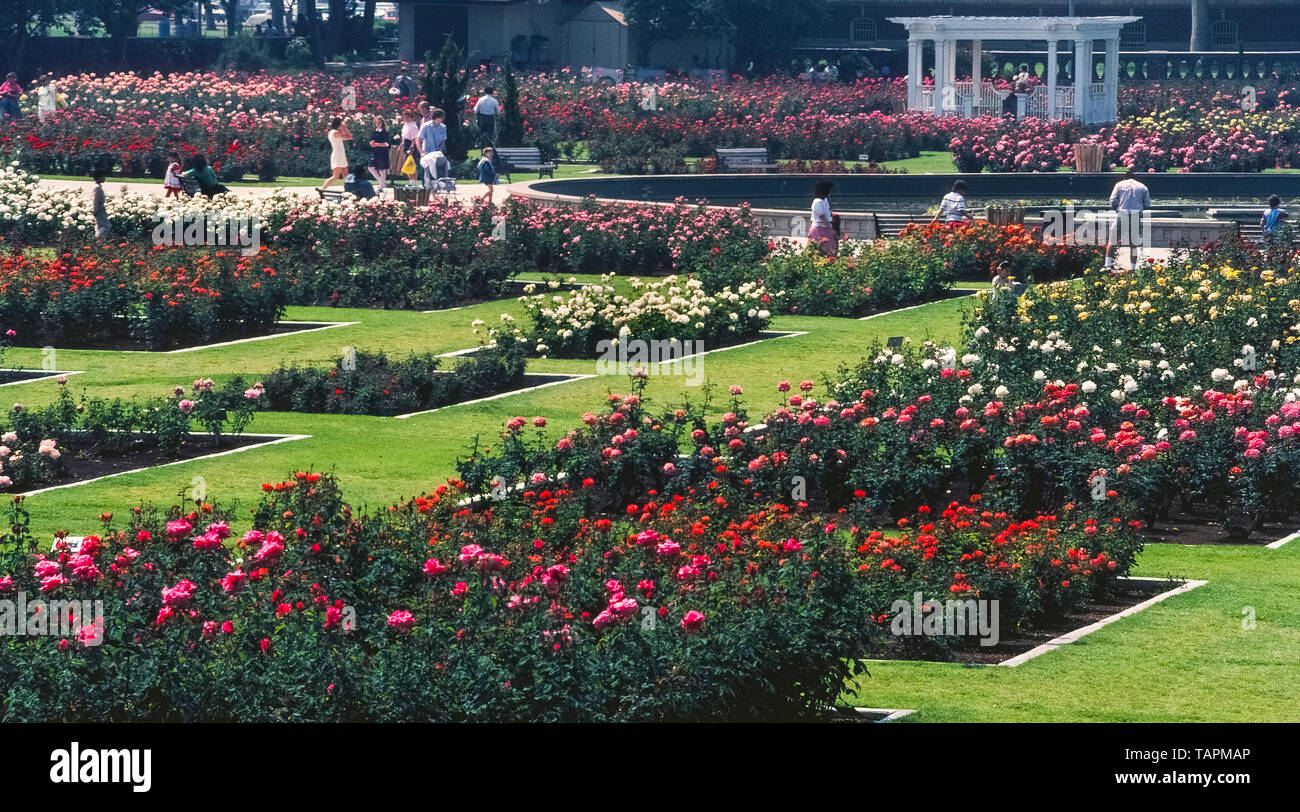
x=1065 y=102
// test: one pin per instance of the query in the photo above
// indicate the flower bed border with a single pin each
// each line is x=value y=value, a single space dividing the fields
x=49 y=376
x=1187 y=585
x=323 y=325
x=568 y=377
x=272 y=439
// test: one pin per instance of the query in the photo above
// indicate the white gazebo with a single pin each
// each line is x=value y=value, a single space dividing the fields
x=1089 y=101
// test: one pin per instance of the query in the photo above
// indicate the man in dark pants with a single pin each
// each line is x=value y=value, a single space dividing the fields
x=486 y=109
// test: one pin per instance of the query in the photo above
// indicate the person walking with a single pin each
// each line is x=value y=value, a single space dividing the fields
x=433 y=143
x=487 y=172
x=172 y=180
x=822 y=234
x=100 y=207
x=1270 y=223
x=411 y=142
x=10 y=93
x=952 y=208
x=380 y=142
x=47 y=100
x=337 y=136
x=1129 y=199
x=485 y=110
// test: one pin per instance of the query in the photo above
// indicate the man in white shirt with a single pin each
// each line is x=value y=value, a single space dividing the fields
x=486 y=109
x=1129 y=199
x=952 y=209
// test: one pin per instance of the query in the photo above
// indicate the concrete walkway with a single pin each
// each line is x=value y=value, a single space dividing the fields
x=113 y=186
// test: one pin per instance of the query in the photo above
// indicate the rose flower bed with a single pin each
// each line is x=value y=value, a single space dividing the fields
x=371 y=383
x=58 y=442
x=864 y=277
x=683 y=607
x=574 y=324
x=972 y=251
x=159 y=297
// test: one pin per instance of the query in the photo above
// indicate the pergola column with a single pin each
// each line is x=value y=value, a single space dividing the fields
x=976 y=68
x=950 y=62
x=1051 y=78
x=914 y=52
x=1082 y=78
x=940 y=75
x=1112 y=78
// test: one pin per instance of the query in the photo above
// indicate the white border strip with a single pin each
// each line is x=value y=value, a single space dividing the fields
x=42 y=378
x=1070 y=637
x=777 y=335
x=1272 y=545
x=323 y=326
x=572 y=376
x=281 y=438
x=891 y=714
x=974 y=292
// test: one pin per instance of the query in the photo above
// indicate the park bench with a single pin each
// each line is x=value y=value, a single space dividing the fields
x=1245 y=219
x=744 y=158
x=522 y=159
x=330 y=194
x=888 y=224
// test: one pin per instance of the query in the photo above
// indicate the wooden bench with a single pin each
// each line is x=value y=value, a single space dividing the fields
x=744 y=158
x=330 y=194
x=1246 y=221
x=522 y=159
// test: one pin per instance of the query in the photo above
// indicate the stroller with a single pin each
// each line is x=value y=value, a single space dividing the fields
x=437 y=174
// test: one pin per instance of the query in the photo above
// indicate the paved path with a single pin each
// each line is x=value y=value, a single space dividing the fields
x=463 y=195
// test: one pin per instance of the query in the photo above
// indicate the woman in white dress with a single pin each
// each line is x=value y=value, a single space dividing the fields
x=823 y=234
x=338 y=153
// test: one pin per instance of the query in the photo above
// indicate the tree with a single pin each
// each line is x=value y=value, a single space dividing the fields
x=21 y=20
x=335 y=26
x=1200 y=26
x=231 y=7
x=659 y=20
x=757 y=20
x=511 y=132
x=444 y=83
x=120 y=18
x=277 y=16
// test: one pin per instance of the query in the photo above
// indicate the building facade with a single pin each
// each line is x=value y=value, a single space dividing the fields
x=1165 y=25
x=548 y=34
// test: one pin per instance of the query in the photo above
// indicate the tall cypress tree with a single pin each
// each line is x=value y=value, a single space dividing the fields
x=445 y=82
x=511 y=132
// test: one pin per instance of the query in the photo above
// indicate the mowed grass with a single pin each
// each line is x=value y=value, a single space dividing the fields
x=1186 y=659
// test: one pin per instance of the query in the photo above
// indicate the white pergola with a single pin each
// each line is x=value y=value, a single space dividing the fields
x=1088 y=101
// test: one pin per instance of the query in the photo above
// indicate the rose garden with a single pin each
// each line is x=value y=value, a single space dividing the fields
x=373 y=470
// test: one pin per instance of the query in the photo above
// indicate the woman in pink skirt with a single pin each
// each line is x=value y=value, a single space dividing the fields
x=822 y=234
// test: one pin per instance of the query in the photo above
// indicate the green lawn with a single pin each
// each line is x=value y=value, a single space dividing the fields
x=931 y=162
x=1185 y=659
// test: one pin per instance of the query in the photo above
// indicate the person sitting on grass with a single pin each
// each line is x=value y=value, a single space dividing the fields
x=207 y=179
x=358 y=185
